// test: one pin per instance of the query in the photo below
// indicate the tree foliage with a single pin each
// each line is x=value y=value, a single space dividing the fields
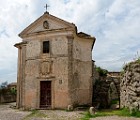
x=102 y=72
x=3 y=85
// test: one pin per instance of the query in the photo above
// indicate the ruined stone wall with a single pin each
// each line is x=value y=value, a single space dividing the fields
x=130 y=86
x=105 y=89
x=115 y=85
x=114 y=88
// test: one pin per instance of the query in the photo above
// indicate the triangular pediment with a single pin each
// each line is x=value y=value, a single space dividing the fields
x=46 y=23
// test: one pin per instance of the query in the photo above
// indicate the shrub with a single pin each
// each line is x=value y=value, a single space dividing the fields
x=13 y=91
x=102 y=72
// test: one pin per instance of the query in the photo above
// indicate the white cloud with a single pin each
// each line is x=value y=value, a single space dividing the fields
x=114 y=23
x=13 y=20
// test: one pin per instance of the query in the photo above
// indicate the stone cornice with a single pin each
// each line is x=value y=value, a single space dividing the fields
x=48 y=32
x=19 y=45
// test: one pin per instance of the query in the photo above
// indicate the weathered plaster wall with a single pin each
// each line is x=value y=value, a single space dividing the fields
x=82 y=49
x=61 y=82
x=130 y=86
x=21 y=76
x=33 y=49
x=66 y=66
x=57 y=60
x=52 y=25
x=30 y=84
x=82 y=71
x=69 y=52
x=60 y=70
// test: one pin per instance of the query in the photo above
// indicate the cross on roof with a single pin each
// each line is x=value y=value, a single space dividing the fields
x=46 y=7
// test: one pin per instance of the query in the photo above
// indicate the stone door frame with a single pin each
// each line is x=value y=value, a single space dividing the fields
x=52 y=80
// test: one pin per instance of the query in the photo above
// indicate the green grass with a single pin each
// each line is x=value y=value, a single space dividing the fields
x=35 y=113
x=122 y=112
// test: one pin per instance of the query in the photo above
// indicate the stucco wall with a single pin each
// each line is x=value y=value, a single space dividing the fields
x=33 y=49
x=57 y=59
x=61 y=83
x=30 y=90
x=68 y=65
x=52 y=25
x=82 y=71
x=59 y=46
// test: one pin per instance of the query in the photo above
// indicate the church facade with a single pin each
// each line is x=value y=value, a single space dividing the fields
x=54 y=65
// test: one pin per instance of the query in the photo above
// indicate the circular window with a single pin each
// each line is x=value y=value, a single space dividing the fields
x=46 y=24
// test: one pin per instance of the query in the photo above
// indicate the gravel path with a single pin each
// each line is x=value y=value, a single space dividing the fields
x=115 y=118
x=63 y=115
x=7 y=113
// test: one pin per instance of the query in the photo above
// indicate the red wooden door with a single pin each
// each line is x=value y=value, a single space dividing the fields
x=45 y=94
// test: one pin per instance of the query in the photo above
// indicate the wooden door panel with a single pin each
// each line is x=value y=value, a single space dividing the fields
x=45 y=94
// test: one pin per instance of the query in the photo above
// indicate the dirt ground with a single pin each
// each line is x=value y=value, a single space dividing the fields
x=8 y=113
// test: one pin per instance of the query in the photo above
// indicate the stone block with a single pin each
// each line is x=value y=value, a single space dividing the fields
x=70 y=107
x=92 y=110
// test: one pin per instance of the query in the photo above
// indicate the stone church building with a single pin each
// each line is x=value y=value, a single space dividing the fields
x=54 y=65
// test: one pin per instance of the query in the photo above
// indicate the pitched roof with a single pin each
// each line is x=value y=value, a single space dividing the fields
x=60 y=25
x=83 y=35
x=47 y=16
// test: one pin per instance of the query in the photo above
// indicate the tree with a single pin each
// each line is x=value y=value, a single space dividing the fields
x=3 y=85
x=102 y=72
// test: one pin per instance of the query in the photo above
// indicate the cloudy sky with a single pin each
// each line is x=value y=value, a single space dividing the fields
x=114 y=23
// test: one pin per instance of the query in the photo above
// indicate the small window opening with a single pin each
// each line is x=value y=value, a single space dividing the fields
x=46 y=47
